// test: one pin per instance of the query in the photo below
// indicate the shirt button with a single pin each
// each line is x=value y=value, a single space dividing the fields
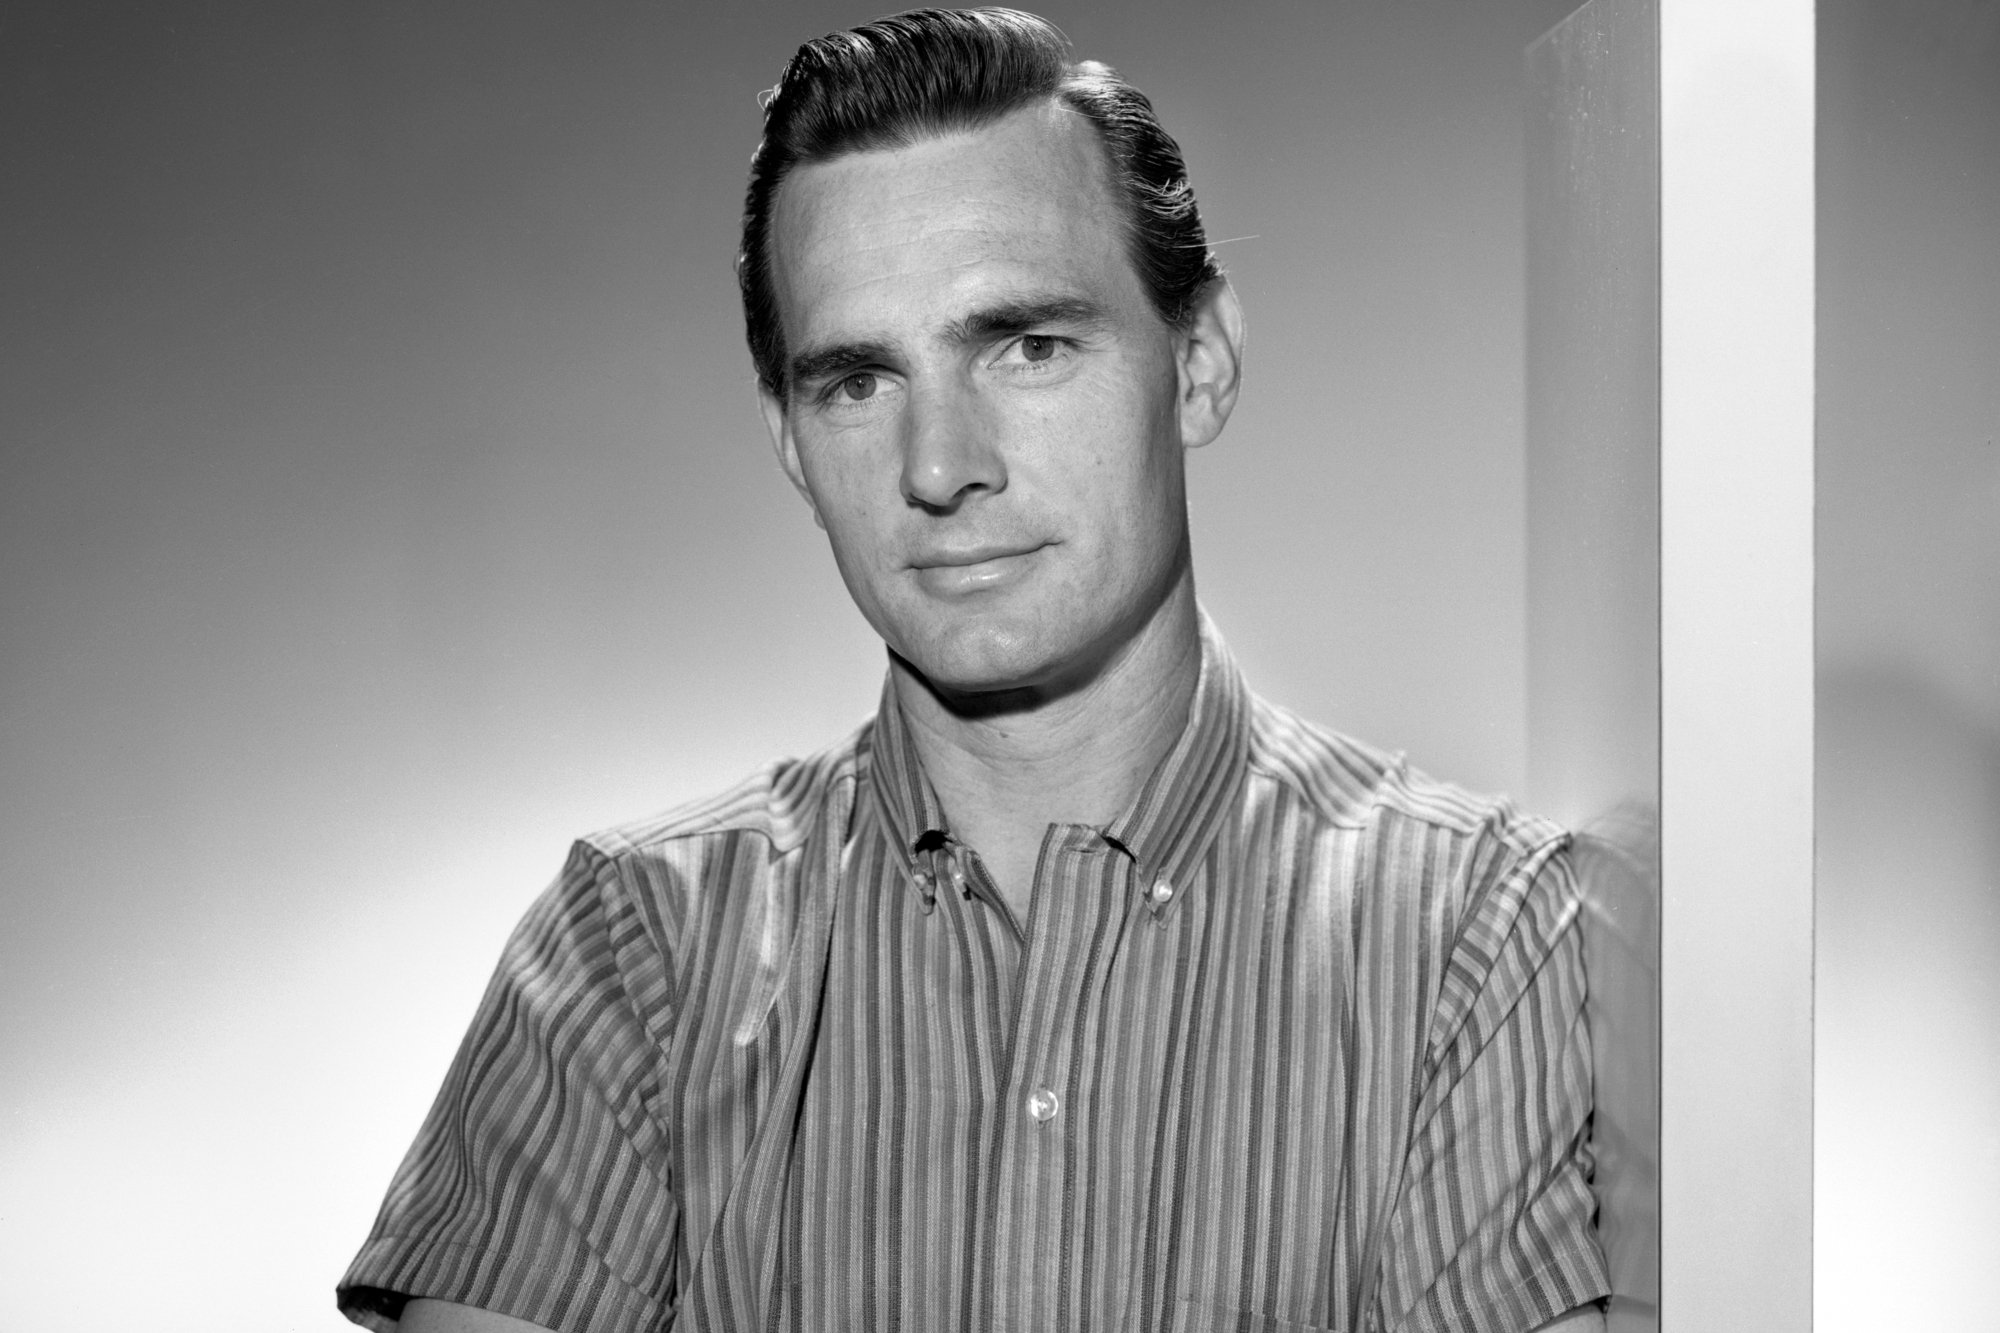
x=1163 y=889
x=1042 y=1104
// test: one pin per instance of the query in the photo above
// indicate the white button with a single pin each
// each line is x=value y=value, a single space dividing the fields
x=1042 y=1104
x=1163 y=889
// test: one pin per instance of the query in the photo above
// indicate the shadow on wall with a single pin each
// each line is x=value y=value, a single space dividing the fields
x=1908 y=1022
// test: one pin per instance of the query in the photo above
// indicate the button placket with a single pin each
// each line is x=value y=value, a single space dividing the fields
x=1076 y=889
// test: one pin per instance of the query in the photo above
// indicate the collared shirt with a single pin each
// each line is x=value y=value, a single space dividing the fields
x=1296 y=1043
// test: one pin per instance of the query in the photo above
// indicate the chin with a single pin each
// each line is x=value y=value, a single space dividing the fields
x=985 y=659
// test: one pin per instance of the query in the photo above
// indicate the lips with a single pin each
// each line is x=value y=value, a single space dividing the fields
x=971 y=555
x=972 y=569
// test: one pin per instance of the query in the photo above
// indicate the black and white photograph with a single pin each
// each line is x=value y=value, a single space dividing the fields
x=1105 y=666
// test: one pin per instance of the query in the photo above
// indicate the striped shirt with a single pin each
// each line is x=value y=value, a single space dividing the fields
x=1298 y=1043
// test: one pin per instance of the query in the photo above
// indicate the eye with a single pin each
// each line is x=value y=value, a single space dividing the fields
x=1037 y=347
x=856 y=388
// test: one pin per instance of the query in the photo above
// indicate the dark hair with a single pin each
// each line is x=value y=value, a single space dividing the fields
x=929 y=72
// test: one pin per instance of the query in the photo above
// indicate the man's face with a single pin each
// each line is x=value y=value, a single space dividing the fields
x=984 y=410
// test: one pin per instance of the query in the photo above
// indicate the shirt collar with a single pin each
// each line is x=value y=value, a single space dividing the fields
x=1168 y=828
x=910 y=810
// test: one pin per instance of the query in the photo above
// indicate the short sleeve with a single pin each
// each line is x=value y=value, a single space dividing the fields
x=1493 y=1231
x=541 y=1184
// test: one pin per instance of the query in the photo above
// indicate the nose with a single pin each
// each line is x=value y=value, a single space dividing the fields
x=950 y=448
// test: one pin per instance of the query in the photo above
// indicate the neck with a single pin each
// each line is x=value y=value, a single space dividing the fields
x=1004 y=774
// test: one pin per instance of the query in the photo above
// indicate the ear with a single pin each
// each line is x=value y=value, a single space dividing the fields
x=1211 y=364
x=779 y=422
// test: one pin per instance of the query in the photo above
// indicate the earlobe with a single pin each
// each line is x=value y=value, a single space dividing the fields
x=779 y=423
x=1211 y=364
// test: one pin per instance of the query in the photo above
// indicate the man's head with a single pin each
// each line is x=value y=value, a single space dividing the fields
x=930 y=72
x=970 y=373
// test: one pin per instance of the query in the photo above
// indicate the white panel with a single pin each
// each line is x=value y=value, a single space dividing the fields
x=1736 y=663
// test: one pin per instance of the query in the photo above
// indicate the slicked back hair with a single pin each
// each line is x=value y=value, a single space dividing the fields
x=931 y=72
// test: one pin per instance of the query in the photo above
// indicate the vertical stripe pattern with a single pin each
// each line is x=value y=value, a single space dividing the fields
x=1296 y=1044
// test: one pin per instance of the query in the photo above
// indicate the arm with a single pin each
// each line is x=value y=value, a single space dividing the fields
x=1492 y=1228
x=541 y=1182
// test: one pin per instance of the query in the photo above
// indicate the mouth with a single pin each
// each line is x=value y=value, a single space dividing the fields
x=972 y=569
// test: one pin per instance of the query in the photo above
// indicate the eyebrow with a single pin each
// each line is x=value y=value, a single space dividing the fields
x=998 y=320
x=835 y=360
x=1020 y=316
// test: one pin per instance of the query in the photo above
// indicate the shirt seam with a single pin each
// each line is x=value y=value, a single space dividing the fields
x=710 y=816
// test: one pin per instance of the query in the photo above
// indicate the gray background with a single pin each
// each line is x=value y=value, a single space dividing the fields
x=1907 y=967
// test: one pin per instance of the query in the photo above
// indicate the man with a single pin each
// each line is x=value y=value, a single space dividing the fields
x=1080 y=989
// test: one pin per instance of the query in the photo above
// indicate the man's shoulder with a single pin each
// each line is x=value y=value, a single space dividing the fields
x=778 y=805
x=1353 y=784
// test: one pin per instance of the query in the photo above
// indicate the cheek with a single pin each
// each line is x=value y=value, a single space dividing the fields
x=842 y=485
x=1092 y=441
x=857 y=546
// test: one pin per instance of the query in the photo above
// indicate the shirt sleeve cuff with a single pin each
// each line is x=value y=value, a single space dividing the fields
x=391 y=1271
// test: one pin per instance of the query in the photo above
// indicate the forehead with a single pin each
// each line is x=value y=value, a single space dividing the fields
x=1025 y=203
